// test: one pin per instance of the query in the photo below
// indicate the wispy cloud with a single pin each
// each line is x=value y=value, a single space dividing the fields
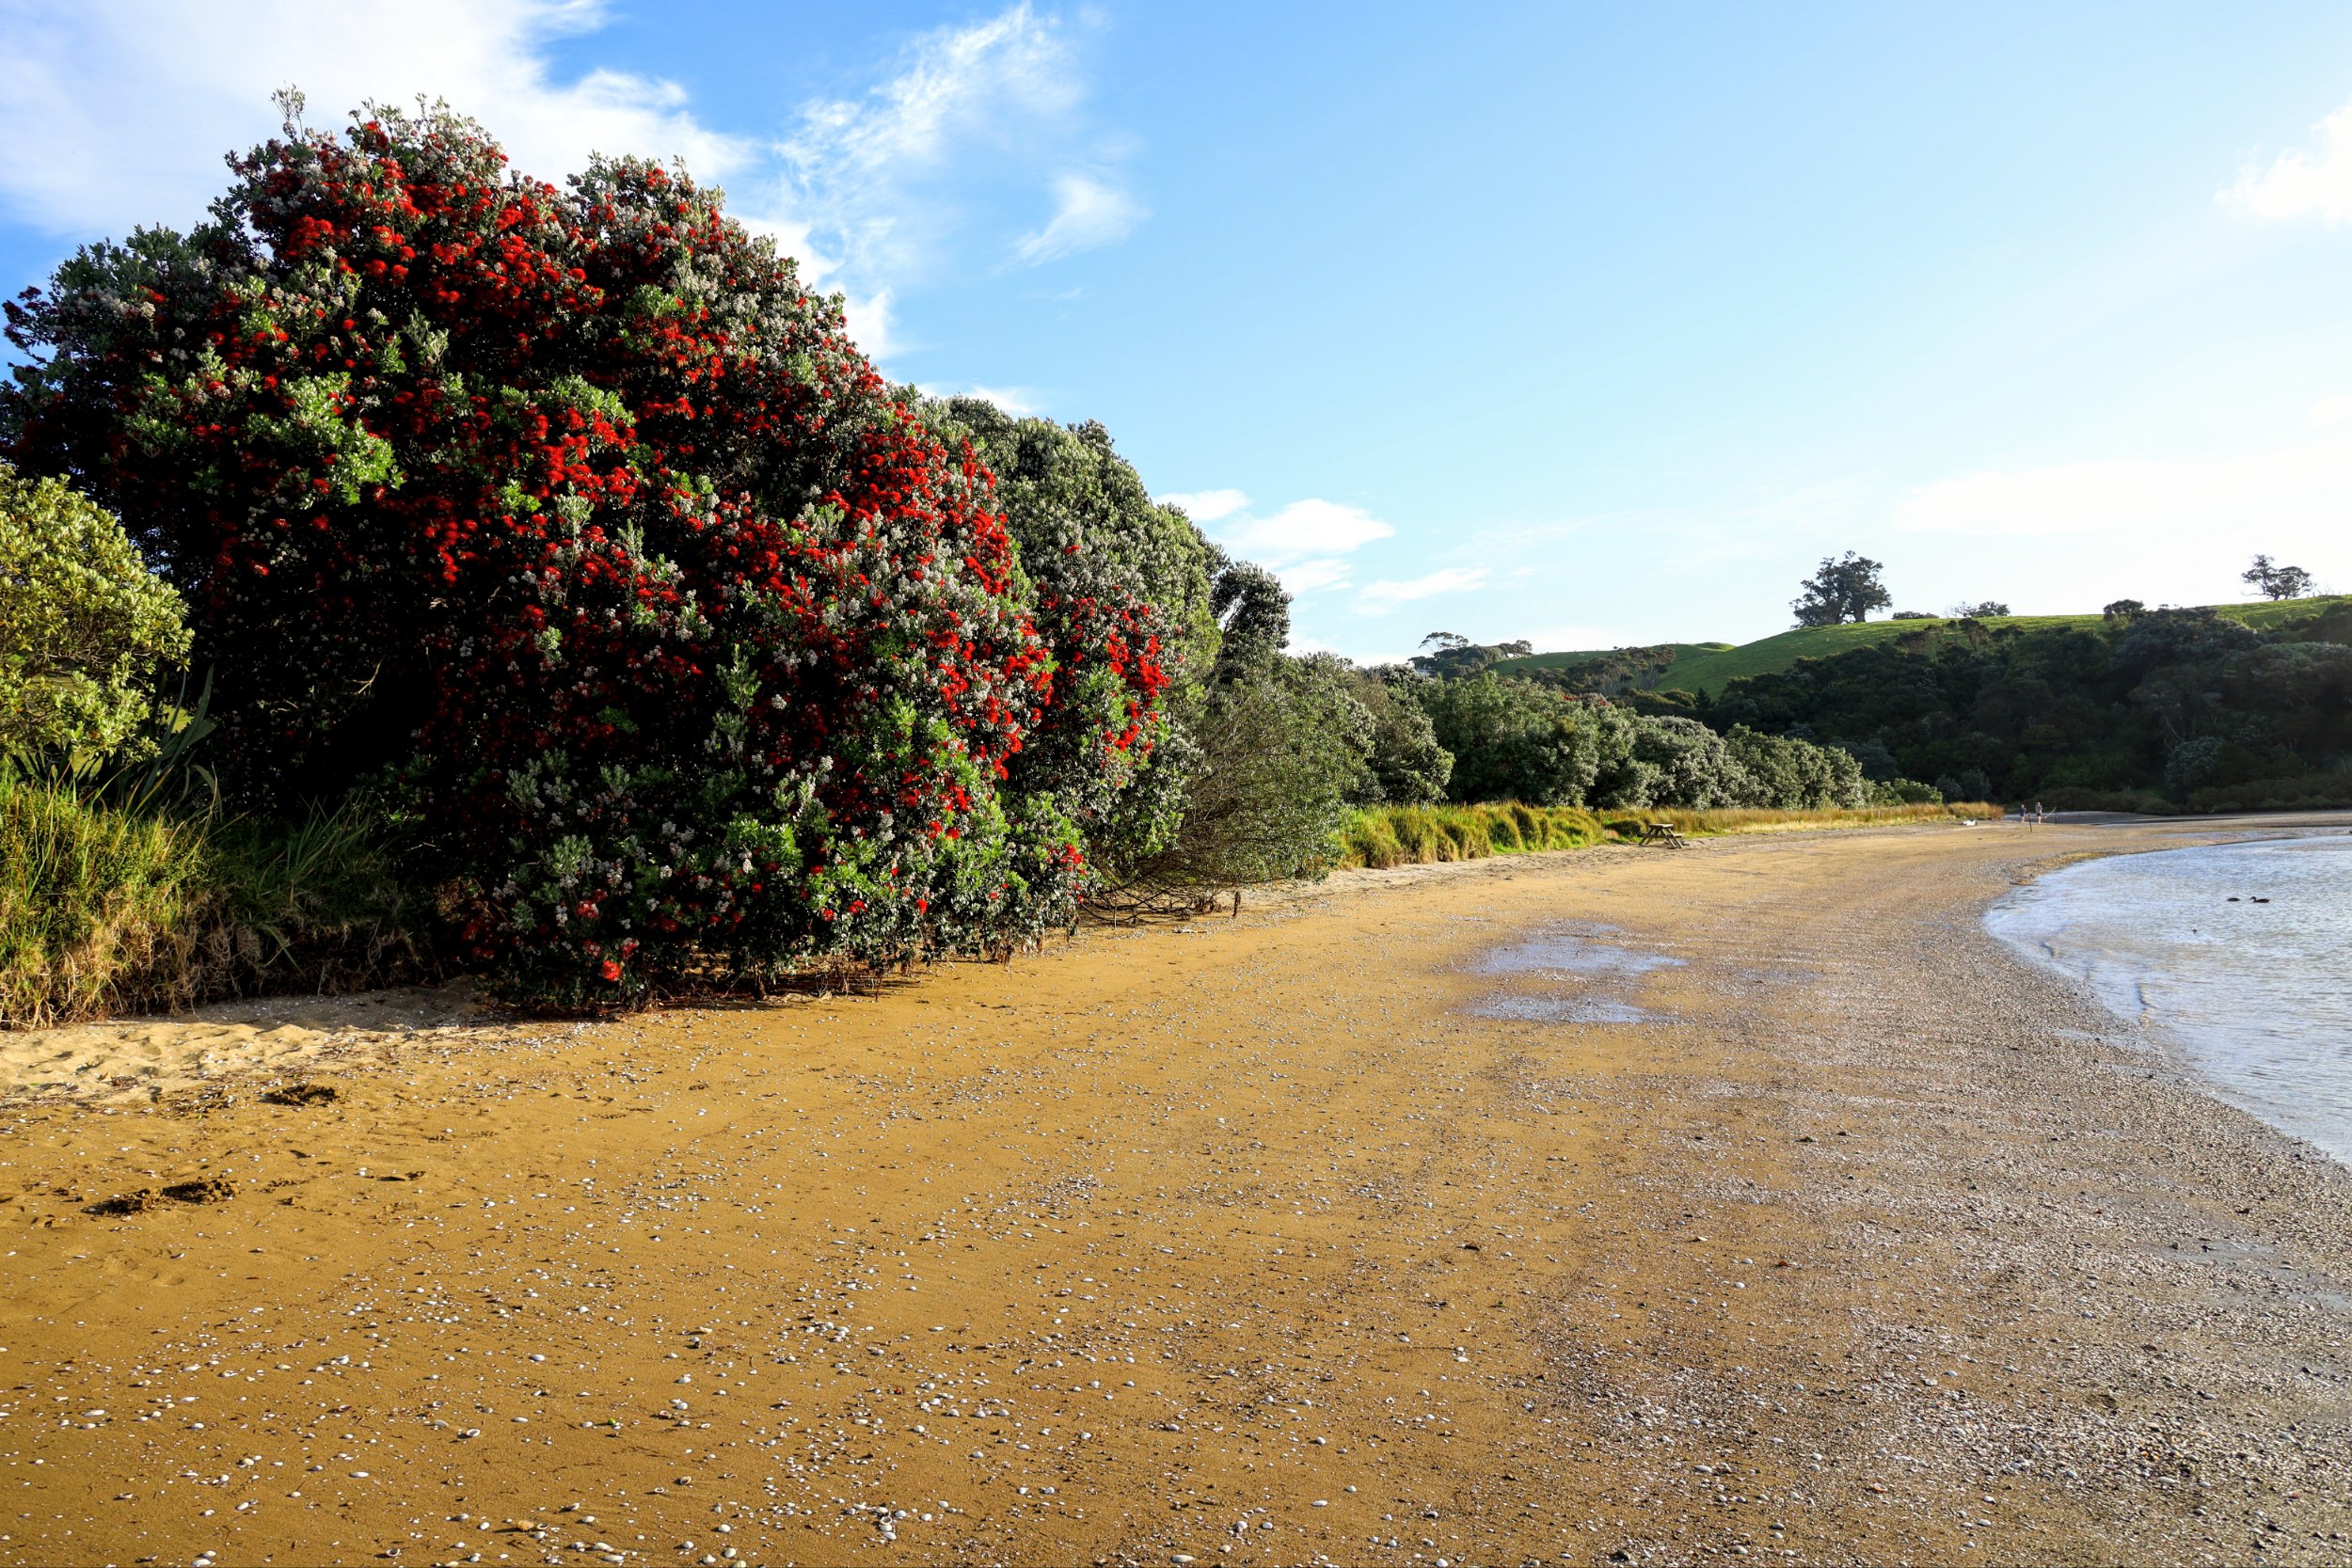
x=1205 y=506
x=1379 y=598
x=115 y=113
x=1090 y=213
x=869 y=181
x=2302 y=184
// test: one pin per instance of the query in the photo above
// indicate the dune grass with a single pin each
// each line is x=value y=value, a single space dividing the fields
x=95 y=904
x=1383 y=836
x=106 y=910
x=1765 y=820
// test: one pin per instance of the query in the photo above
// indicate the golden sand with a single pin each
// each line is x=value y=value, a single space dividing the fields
x=1419 y=1216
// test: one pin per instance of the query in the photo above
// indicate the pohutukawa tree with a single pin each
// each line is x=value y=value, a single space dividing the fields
x=574 y=512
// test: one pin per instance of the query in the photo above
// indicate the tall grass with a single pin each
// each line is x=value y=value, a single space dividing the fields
x=1383 y=836
x=98 y=906
x=1767 y=819
x=110 y=909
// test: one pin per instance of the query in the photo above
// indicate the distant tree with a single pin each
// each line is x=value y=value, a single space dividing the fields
x=1913 y=615
x=2273 y=581
x=1455 y=657
x=1979 y=610
x=2121 y=611
x=1842 y=589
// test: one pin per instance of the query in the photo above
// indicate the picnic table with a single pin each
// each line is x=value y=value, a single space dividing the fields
x=1666 y=833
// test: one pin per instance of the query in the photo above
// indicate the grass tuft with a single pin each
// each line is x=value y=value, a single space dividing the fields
x=108 y=910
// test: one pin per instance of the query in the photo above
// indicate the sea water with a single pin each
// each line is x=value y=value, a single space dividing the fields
x=2238 y=956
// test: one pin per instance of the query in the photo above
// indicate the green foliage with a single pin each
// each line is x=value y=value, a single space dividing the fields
x=2187 y=701
x=1704 y=668
x=1519 y=740
x=1282 y=750
x=1788 y=774
x=1273 y=748
x=84 y=626
x=1514 y=741
x=2273 y=581
x=1093 y=543
x=1406 y=765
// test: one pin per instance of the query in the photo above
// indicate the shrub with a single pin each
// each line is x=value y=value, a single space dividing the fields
x=699 y=651
x=82 y=625
x=1515 y=740
x=1405 y=766
x=1792 y=774
x=1118 y=589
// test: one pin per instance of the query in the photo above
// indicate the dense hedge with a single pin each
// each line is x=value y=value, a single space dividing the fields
x=1517 y=740
x=2186 y=703
x=572 y=513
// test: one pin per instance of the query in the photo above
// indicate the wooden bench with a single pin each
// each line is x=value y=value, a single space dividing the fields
x=1666 y=833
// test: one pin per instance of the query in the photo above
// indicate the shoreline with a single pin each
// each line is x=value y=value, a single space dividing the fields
x=1796 y=1217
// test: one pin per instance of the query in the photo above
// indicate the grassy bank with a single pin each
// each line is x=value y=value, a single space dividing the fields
x=106 y=910
x=1746 y=821
x=1419 y=836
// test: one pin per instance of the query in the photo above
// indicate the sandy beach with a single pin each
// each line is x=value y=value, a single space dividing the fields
x=1616 y=1205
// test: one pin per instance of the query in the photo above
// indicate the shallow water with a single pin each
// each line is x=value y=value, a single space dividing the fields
x=1585 y=978
x=2256 y=996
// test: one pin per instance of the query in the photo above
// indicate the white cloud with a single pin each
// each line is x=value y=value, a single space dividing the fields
x=2302 y=184
x=1303 y=529
x=1205 y=506
x=1017 y=401
x=1089 y=213
x=1310 y=577
x=1378 y=599
x=117 y=114
x=2288 y=485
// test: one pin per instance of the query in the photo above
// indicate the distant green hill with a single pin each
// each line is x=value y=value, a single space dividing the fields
x=1707 y=666
x=1561 y=662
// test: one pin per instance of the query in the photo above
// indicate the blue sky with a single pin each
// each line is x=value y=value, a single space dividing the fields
x=1589 y=325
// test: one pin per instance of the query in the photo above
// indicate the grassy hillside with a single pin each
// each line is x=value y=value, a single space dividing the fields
x=1707 y=666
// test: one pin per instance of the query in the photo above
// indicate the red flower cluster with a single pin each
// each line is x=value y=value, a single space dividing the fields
x=692 y=647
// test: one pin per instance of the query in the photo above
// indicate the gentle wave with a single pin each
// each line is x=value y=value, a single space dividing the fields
x=2237 y=954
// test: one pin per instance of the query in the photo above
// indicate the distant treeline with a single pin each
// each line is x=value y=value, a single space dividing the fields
x=2162 y=709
